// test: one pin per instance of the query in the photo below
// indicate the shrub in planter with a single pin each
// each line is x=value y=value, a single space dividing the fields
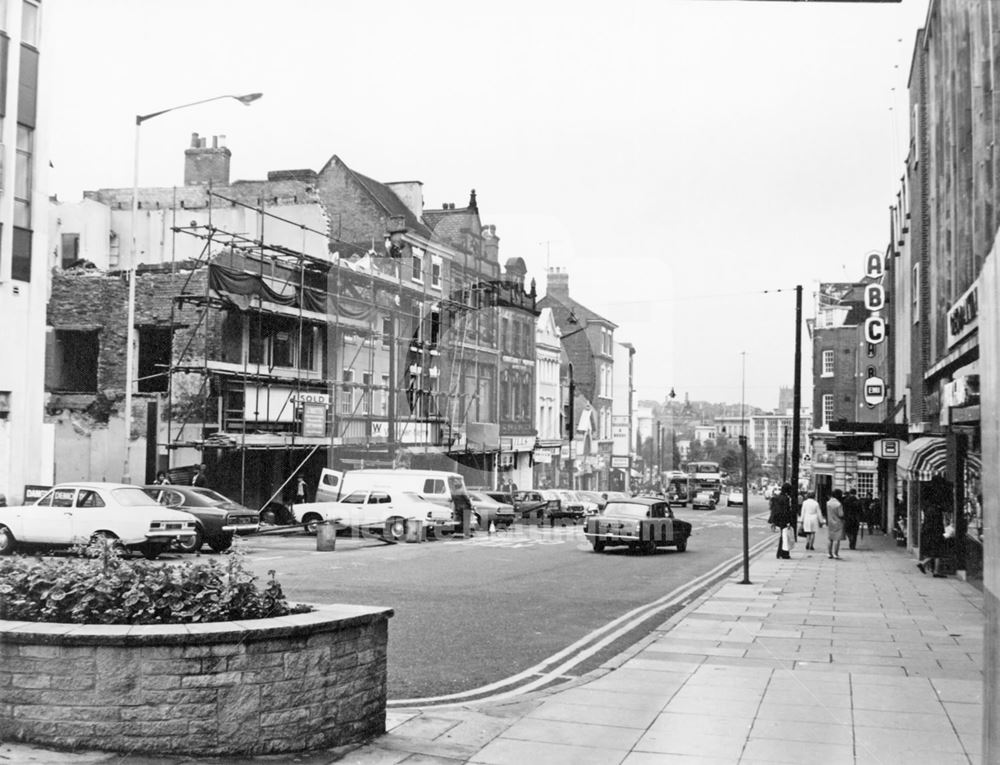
x=103 y=588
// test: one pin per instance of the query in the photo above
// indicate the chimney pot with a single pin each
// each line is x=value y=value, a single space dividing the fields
x=194 y=140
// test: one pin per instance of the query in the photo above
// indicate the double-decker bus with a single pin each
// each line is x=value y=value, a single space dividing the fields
x=704 y=476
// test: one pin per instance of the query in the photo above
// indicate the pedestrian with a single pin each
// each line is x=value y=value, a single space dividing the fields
x=300 y=491
x=834 y=524
x=852 y=517
x=871 y=512
x=161 y=479
x=812 y=519
x=932 y=541
x=3 y=500
x=201 y=477
x=782 y=519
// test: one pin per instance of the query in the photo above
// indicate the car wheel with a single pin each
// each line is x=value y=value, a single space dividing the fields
x=311 y=522
x=395 y=528
x=151 y=550
x=191 y=544
x=221 y=544
x=598 y=545
x=648 y=548
x=117 y=546
x=7 y=541
x=682 y=545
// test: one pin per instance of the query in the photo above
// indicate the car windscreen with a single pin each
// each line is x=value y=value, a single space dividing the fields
x=132 y=497
x=626 y=509
x=211 y=496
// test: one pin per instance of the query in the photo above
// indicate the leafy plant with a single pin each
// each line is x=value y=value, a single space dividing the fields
x=105 y=588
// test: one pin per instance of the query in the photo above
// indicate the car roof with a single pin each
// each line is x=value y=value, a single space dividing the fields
x=94 y=485
x=641 y=500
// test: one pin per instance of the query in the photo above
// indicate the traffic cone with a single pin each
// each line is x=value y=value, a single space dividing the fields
x=493 y=527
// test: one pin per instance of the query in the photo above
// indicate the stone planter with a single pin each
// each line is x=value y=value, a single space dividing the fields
x=260 y=686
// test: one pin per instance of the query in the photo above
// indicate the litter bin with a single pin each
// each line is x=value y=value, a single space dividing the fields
x=326 y=536
x=414 y=530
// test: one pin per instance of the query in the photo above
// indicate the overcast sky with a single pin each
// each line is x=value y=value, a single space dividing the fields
x=677 y=157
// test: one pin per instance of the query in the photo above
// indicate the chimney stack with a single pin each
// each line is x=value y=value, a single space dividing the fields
x=491 y=243
x=204 y=165
x=411 y=194
x=557 y=283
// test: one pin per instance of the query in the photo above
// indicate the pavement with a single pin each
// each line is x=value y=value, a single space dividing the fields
x=861 y=660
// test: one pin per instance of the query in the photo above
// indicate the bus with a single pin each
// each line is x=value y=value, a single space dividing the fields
x=704 y=476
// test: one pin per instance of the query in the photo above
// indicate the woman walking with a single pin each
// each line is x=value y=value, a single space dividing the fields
x=834 y=524
x=932 y=540
x=812 y=519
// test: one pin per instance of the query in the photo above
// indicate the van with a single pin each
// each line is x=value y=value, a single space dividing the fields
x=438 y=486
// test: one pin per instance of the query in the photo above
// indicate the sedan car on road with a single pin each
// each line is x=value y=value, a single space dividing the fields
x=570 y=506
x=734 y=497
x=488 y=510
x=76 y=513
x=219 y=518
x=642 y=523
x=704 y=499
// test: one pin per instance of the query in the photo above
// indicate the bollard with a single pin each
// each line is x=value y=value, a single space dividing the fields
x=326 y=536
x=414 y=530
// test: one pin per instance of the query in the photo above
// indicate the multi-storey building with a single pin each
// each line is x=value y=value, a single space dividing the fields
x=548 y=398
x=315 y=318
x=769 y=435
x=24 y=439
x=843 y=363
x=622 y=417
x=588 y=339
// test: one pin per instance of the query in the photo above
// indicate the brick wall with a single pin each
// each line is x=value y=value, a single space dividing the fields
x=298 y=682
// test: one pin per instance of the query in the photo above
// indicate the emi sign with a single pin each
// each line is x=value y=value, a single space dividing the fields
x=874 y=391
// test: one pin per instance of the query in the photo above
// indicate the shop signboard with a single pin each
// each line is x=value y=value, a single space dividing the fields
x=874 y=391
x=619 y=462
x=887 y=448
x=963 y=316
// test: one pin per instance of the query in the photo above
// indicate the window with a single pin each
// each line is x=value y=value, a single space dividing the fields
x=355 y=498
x=29 y=23
x=74 y=361
x=433 y=486
x=89 y=498
x=386 y=332
x=154 y=358
x=915 y=294
x=827 y=408
x=435 y=272
x=366 y=393
x=866 y=484
x=347 y=392
x=418 y=267
x=827 y=363
x=70 y=249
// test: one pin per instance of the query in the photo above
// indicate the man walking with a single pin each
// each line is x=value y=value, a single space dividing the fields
x=852 y=517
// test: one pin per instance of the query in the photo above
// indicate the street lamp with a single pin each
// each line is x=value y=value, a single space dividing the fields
x=571 y=424
x=246 y=100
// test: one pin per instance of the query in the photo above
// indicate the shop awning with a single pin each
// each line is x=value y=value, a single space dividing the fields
x=926 y=457
x=922 y=459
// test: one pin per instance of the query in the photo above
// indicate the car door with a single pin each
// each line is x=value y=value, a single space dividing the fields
x=89 y=515
x=50 y=520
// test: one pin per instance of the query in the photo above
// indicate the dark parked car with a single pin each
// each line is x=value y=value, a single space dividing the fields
x=642 y=523
x=530 y=505
x=219 y=518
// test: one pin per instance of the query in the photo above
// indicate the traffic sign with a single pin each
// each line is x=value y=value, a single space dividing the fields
x=874 y=391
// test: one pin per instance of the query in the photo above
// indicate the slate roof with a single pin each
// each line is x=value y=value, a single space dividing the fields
x=448 y=225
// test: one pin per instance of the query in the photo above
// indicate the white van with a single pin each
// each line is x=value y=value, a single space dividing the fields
x=433 y=485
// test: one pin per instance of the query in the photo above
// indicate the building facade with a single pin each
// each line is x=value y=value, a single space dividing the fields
x=25 y=441
x=548 y=397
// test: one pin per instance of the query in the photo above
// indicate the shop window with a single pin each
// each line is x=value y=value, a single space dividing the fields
x=155 y=345
x=75 y=360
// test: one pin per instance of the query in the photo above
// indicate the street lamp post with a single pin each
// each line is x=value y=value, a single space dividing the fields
x=246 y=100
x=570 y=409
x=746 y=493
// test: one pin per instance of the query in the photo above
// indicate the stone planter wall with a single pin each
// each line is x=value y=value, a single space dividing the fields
x=241 y=688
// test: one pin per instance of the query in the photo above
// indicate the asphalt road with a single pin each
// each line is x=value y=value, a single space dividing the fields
x=471 y=611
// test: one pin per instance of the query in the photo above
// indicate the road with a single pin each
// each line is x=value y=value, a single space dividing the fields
x=469 y=612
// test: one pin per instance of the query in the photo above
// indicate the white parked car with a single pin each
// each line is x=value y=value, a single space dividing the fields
x=76 y=513
x=734 y=497
x=377 y=511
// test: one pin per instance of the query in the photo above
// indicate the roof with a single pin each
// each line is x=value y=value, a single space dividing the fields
x=385 y=198
x=450 y=226
x=583 y=314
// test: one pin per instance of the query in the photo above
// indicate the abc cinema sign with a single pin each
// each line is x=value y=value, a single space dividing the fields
x=875 y=326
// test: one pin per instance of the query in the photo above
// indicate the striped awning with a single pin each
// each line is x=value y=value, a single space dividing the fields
x=922 y=459
x=926 y=457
